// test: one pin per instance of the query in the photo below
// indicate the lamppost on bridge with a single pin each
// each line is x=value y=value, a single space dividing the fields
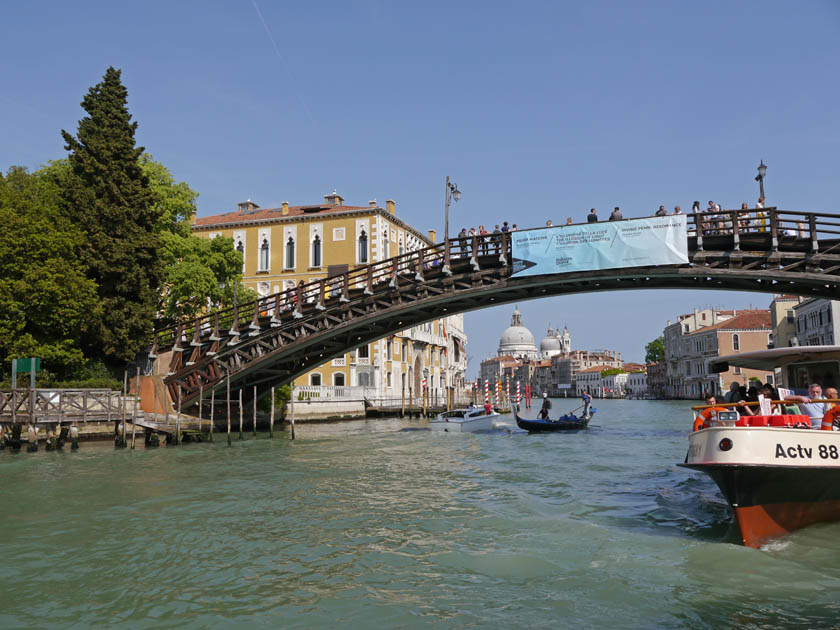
x=762 y=171
x=452 y=192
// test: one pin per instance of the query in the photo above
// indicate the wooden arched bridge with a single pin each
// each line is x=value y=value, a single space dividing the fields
x=281 y=336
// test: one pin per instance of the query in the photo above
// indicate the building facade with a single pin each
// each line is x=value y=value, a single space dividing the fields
x=816 y=322
x=677 y=350
x=747 y=331
x=283 y=246
x=783 y=320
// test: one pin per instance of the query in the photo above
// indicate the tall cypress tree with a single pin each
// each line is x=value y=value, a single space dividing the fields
x=109 y=197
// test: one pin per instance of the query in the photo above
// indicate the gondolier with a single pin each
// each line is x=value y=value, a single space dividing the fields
x=587 y=400
x=546 y=407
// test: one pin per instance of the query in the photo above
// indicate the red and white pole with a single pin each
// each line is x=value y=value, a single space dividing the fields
x=507 y=391
x=486 y=391
x=498 y=392
x=518 y=395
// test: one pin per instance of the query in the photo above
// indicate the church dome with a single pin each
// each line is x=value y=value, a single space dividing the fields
x=517 y=340
x=550 y=345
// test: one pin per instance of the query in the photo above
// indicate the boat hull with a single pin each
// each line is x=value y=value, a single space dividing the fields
x=463 y=425
x=776 y=480
x=568 y=422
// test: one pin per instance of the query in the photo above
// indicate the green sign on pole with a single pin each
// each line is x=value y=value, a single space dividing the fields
x=31 y=365
x=25 y=365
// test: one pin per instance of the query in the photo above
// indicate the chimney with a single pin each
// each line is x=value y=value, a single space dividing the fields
x=285 y=208
x=391 y=206
x=433 y=236
x=372 y=203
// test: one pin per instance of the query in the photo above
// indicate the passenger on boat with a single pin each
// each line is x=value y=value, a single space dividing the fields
x=831 y=394
x=813 y=410
x=546 y=406
x=488 y=408
x=733 y=395
x=708 y=413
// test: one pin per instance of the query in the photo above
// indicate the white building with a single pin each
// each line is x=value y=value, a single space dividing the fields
x=816 y=322
x=637 y=384
x=517 y=341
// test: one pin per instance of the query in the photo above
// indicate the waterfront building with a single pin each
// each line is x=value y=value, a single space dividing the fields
x=282 y=246
x=657 y=380
x=783 y=320
x=676 y=349
x=747 y=331
x=637 y=384
x=816 y=322
x=566 y=366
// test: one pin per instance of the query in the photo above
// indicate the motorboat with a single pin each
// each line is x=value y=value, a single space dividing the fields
x=777 y=473
x=466 y=420
x=566 y=422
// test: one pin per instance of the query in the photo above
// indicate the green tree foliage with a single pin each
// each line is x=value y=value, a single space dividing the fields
x=655 y=350
x=108 y=196
x=47 y=303
x=198 y=272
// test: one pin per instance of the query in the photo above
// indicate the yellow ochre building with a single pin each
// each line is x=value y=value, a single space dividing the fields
x=281 y=246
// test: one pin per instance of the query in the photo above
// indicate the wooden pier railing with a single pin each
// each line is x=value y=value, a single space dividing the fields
x=60 y=405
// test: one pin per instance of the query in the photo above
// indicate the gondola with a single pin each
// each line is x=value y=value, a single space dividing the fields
x=568 y=422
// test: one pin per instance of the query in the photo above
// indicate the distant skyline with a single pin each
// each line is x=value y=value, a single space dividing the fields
x=537 y=110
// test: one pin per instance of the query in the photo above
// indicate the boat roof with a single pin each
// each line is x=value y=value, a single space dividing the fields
x=775 y=357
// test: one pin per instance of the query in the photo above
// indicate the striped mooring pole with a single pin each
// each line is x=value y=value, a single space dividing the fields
x=518 y=395
x=486 y=391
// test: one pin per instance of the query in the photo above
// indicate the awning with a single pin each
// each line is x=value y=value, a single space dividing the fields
x=777 y=357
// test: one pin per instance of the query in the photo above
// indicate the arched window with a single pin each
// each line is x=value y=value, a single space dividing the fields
x=364 y=379
x=363 y=247
x=264 y=251
x=386 y=249
x=315 y=379
x=736 y=342
x=240 y=247
x=338 y=379
x=290 y=253
x=316 y=251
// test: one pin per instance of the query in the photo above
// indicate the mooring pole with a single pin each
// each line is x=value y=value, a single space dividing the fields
x=240 y=413
x=228 y=406
x=121 y=438
x=271 y=422
x=212 y=411
x=200 y=405
x=255 y=411
x=402 y=404
x=134 y=412
x=292 y=407
x=178 y=420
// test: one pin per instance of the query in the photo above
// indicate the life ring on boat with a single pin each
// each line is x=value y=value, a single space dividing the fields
x=831 y=416
x=706 y=414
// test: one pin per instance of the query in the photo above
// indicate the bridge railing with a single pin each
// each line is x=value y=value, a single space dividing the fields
x=781 y=229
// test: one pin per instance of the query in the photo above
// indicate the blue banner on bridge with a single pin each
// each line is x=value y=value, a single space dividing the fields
x=607 y=245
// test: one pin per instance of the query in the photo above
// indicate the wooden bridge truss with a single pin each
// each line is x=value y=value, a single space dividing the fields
x=278 y=337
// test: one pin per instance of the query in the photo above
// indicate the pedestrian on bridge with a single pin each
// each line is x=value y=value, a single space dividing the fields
x=616 y=215
x=661 y=212
x=592 y=217
x=677 y=210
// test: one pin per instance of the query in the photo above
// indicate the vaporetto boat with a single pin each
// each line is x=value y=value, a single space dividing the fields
x=776 y=472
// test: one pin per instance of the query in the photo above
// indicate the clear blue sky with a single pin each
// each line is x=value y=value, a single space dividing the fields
x=536 y=109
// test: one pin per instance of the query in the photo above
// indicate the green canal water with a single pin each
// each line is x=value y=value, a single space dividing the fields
x=367 y=525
